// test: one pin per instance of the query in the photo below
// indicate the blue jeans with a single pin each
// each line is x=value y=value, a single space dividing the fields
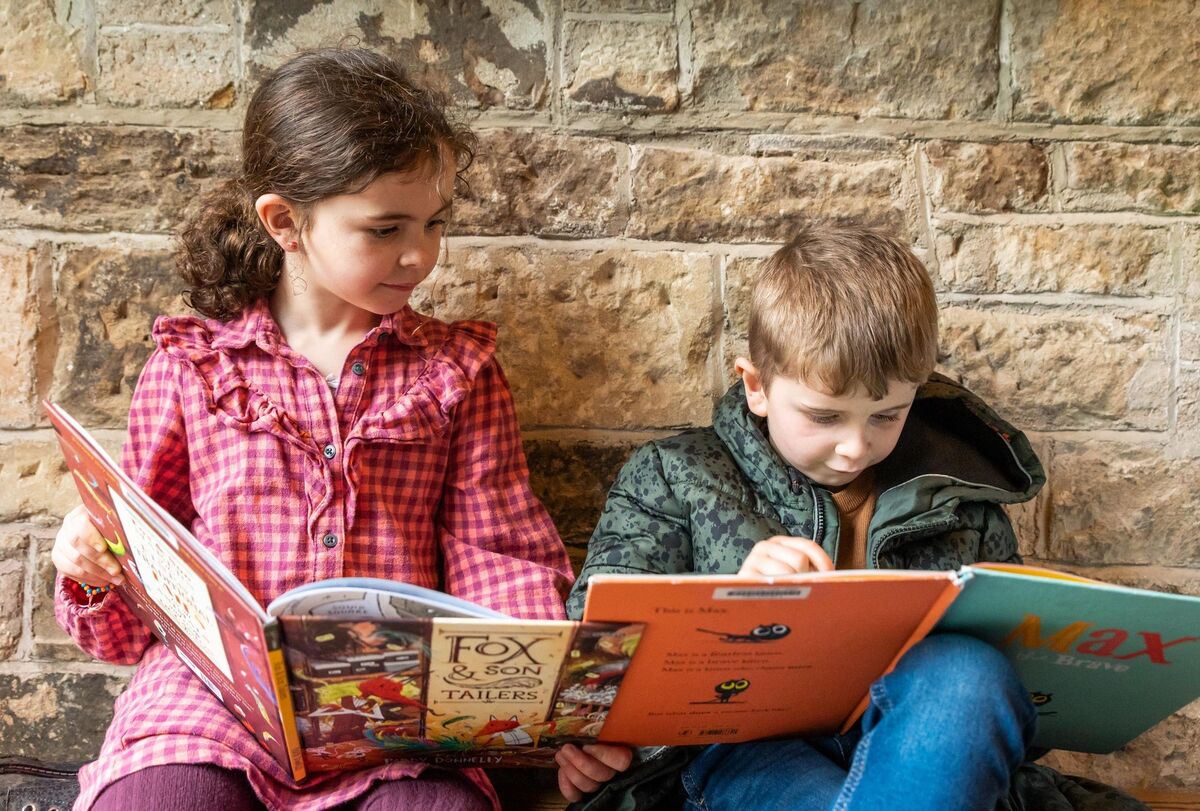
x=945 y=730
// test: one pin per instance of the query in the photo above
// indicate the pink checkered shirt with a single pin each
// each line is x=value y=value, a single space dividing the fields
x=229 y=431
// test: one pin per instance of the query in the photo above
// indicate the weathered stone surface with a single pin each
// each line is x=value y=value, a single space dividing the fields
x=1187 y=406
x=1163 y=758
x=981 y=178
x=50 y=643
x=166 y=68
x=19 y=325
x=1122 y=260
x=874 y=58
x=42 y=56
x=164 y=12
x=1094 y=61
x=1154 y=178
x=108 y=298
x=526 y=182
x=1057 y=370
x=34 y=482
x=482 y=54
x=56 y=716
x=702 y=196
x=1117 y=503
x=624 y=65
x=591 y=338
x=610 y=6
x=14 y=550
x=572 y=479
x=85 y=178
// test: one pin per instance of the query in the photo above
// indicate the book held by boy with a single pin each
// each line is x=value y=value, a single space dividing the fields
x=738 y=659
x=348 y=673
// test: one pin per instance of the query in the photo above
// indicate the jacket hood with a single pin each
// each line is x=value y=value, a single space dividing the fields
x=953 y=448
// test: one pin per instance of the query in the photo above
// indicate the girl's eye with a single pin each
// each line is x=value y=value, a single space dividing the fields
x=886 y=417
x=436 y=224
x=383 y=233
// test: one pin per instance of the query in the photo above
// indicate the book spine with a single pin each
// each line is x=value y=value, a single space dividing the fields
x=283 y=699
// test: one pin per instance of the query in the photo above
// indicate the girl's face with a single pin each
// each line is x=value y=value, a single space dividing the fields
x=367 y=251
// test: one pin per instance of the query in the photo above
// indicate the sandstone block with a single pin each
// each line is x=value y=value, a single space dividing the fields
x=42 y=58
x=572 y=479
x=108 y=298
x=56 y=716
x=84 y=178
x=526 y=182
x=1121 y=503
x=50 y=643
x=140 y=67
x=870 y=59
x=703 y=196
x=1092 y=61
x=14 y=549
x=576 y=329
x=164 y=12
x=481 y=54
x=611 y=6
x=982 y=178
x=1056 y=370
x=623 y=65
x=1121 y=260
x=19 y=325
x=34 y=482
x=1187 y=408
x=1153 y=178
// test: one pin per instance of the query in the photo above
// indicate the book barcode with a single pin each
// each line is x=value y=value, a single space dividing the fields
x=723 y=731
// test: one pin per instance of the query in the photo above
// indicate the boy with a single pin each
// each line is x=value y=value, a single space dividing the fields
x=839 y=446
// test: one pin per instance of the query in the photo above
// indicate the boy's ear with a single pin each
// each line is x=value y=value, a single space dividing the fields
x=756 y=393
x=279 y=216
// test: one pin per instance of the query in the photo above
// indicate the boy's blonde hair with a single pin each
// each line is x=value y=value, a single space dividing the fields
x=841 y=306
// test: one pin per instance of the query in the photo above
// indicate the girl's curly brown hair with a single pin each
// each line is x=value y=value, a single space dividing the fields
x=326 y=122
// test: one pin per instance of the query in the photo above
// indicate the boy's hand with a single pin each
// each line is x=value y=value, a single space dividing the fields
x=781 y=555
x=583 y=770
x=81 y=554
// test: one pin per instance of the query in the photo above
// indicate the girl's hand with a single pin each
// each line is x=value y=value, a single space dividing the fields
x=782 y=555
x=582 y=770
x=81 y=554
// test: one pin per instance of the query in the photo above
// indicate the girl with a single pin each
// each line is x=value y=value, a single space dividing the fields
x=314 y=426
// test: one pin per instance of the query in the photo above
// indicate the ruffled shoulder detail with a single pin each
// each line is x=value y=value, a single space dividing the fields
x=454 y=354
x=204 y=346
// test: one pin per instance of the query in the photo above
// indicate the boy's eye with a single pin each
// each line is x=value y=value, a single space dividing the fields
x=823 y=419
x=383 y=232
x=885 y=417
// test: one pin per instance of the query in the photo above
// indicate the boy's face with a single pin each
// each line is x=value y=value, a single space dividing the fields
x=829 y=439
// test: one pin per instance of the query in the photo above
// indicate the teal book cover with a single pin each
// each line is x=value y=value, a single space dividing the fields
x=1102 y=663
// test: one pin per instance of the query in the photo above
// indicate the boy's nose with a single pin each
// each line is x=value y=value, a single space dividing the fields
x=852 y=446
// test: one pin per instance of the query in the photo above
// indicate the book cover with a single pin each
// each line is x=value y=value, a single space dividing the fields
x=726 y=658
x=1102 y=663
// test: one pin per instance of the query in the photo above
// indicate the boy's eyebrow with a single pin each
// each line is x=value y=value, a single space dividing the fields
x=388 y=215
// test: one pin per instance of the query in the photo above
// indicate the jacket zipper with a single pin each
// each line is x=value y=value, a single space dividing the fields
x=798 y=482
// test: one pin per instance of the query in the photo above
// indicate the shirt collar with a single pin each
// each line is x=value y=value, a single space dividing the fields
x=256 y=325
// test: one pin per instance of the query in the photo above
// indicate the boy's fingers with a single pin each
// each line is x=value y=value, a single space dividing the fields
x=592 y=770
x=616 y=758
x=568 y=791
x=812 y=551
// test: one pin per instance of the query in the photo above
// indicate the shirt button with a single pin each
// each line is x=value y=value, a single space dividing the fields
x=329 y=540
x=358 y=368
x=330 y=451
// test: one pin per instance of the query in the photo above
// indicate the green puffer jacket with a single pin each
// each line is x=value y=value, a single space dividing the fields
x=699 y=501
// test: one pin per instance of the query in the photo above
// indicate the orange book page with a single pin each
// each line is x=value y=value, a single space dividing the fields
x=725 y=658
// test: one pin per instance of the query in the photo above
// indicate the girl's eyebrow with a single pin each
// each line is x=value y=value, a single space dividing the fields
x=388 y=215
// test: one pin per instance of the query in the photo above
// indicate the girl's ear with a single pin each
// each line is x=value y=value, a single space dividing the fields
x=281 y=219
x=756 y=393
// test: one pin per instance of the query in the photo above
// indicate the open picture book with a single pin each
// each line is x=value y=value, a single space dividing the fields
x=739 y=659
x=348 y=673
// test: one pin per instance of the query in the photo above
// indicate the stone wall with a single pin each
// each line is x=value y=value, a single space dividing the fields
x=638 y=157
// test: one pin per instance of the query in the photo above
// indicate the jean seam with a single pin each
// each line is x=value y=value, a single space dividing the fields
x=692 y=791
